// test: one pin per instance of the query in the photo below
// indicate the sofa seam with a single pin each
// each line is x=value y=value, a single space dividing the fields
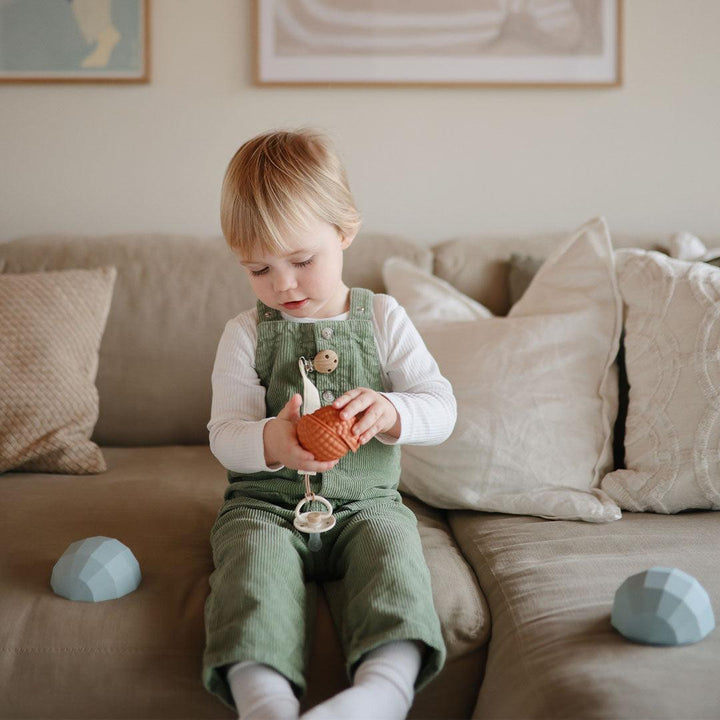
x=78 y=650
x=516 y=625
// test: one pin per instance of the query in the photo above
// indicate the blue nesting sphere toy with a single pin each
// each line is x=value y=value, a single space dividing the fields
x=97 y=568
x=662 y=606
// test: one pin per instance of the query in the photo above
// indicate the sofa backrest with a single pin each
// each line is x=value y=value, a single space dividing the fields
x=174 y=293
x=478 y=265
x=172 y=298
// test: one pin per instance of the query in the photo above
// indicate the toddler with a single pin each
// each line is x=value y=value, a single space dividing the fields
x=288 y=215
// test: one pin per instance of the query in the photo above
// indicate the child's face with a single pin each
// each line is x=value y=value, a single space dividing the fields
x=306 y=280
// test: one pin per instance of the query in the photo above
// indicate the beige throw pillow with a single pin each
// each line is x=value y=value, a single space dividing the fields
x=672 y=354
x=429 y=297
x=51 y=325
x=536 y=392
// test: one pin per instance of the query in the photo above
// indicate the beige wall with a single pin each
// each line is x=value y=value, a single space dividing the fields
x=424 y=162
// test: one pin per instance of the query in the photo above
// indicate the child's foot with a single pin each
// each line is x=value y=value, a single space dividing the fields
x=261 y=693
x=383 y=687
x=362 y=703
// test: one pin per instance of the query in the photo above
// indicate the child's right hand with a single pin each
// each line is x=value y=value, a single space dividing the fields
x=281 y=442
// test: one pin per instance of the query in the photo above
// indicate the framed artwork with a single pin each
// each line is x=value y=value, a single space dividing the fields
x=438 y=42
x=106 y=41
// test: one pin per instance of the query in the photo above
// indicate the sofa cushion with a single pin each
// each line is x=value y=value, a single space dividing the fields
x=140 y=656
x=536 y=392
x=137 y=656
x=521 y=270
x=51 y=325
x=672 y=335
x=364 y=259
x=550 y=587
x=459 y=601
x=479 y=265
x=173 y=296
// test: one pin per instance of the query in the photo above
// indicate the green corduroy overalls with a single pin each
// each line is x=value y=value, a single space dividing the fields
x=262 y=602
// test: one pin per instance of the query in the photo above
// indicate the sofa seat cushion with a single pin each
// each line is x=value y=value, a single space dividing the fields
x=140 y=656
x=459 y=602
x=550 y=587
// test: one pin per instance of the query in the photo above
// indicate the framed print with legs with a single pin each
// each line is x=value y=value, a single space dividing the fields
x=75 y=41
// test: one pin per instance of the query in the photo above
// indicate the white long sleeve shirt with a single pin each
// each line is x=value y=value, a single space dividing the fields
x=412 y=381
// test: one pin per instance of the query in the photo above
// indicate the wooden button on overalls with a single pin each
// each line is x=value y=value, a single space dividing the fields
x=325 y=361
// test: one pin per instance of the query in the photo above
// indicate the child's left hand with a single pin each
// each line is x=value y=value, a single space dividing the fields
x=376 y=414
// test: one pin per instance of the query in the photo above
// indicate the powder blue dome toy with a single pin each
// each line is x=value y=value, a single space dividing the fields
x=95 y=569
x=662 y=606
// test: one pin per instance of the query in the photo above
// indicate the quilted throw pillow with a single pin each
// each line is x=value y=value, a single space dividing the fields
x=536 y=392
x=51 y=324
x=672 y=355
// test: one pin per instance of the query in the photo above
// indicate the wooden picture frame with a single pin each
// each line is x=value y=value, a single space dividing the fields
x=75 y=41
x=565 y=43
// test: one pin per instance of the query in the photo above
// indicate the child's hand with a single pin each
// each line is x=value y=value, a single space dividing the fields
x=281 y=443
x=376 y=414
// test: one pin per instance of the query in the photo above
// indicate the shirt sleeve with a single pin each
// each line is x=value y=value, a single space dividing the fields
x=422 y=396
x=237 y=415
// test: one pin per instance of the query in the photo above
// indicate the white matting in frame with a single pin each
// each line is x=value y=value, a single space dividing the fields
x=74 y=41
x=438 y=42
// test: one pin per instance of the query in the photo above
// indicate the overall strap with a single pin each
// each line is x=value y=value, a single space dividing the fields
x=266 y=313
x=361 y=304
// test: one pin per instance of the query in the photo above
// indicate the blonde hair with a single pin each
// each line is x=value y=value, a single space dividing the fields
x=276 y=183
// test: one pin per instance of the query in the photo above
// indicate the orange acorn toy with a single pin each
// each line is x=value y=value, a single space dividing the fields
x=326 y=435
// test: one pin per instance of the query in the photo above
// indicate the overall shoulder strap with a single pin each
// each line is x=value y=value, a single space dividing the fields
x=361 y=303
x=266 y=313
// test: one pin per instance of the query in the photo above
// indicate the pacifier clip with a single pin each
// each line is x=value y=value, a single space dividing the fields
x=312 y=522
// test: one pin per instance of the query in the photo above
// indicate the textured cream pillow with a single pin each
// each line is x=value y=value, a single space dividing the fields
x=672 y=354
x=51 y=325
x=536 y=392
x=427 y=298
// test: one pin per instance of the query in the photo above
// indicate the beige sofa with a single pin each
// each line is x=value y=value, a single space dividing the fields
x=524 y=602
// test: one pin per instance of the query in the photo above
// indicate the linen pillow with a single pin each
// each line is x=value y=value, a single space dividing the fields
x=672 y=356
x=427 y=298
x=51 y=324
x=536 y=392
x=522 y=269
